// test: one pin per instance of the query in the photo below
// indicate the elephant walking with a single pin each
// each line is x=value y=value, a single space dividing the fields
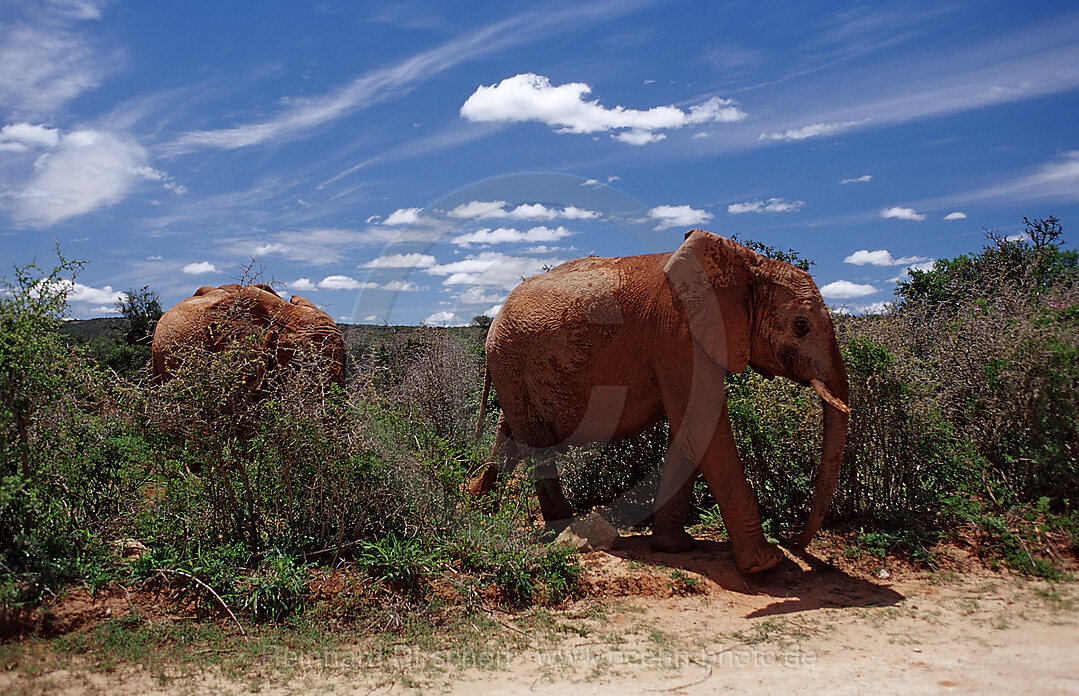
x=600 y=349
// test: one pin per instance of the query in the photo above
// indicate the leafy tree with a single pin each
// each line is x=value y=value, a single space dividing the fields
x=1034 y=261
x=32 y=351
x=482 y=320
x=790 y=256
x=140 y=310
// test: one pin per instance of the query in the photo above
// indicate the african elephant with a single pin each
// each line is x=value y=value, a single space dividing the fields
x=213 y=318
x=600 y=349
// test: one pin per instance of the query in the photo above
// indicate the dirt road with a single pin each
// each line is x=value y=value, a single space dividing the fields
x=690 y=624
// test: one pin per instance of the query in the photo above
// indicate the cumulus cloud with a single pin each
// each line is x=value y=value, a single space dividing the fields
x=444 y=318
x=403 y=216
x=865 y=178
x=956 y=216
x=343 y=282
x=81 y=171
x=881 y=257
x=845 y=290
x=508 y=235
x=302 y=284
x=199 y=268
x=479 y=295
x=21 y=137
x=492 y=269
x=772 y=205
x=401 y=261
x=531 y=97
x=902 y=214
x=86 y=294
x=925 y=266
x=478 y=210
x=811 y=131
x=678 y=216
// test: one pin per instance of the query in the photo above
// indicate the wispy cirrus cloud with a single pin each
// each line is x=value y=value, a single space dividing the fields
x=47 y=61
x=772 y=205
x=302 y=115
x=531 y=97
x=813 y=130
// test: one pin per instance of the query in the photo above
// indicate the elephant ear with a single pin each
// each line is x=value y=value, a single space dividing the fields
x=710 y=277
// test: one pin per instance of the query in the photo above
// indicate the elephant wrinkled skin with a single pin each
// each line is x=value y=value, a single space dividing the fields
x=600 y=349
x=213 y=318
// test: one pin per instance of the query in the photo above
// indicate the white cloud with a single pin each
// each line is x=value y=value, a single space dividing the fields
x=881 y=257
x=678 y=216
x=865 y=178
x=302 y=284
x=494 y=310
x=531 y=97
x=343 y=282
x=772 y=205
x=811 y=131
x=46 y=60
x=845 y=290
x=479 y=295
x=902 y=213
x=925 y=266
x=444 y=318
x=403 y=216
x=478 y=210
x=199 y=268
x=338 y=282
x=492 y=269
x=401 y=261
x=956 y=216
x=508 y=235
x=84 y=171
x=271 y=248
x=77 y=292
x=20 y=137
x=302 y=114
x=876 y=308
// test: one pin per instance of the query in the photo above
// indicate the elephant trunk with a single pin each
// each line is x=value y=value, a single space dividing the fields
x=836 y=414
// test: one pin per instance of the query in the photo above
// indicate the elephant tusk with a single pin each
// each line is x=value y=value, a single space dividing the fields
x=822 y=390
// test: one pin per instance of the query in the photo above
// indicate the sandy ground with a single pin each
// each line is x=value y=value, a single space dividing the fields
x=690 y=624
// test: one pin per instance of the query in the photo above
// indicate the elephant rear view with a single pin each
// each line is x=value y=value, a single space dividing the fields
x=600 y=349
x=214 y=319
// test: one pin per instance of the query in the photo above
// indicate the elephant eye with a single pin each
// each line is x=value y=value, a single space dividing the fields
x=801 y=327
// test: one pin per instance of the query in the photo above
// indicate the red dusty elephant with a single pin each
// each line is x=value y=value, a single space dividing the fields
x=214 y=318
x=600 y=349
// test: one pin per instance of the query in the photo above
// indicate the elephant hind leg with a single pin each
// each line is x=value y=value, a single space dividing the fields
x=504 y=458
x=557 y=513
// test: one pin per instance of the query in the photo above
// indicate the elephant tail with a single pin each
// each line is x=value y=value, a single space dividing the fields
x=483 y=402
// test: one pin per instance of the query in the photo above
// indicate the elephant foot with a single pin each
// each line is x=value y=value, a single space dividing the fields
x=483 y=483
x=760 y=556
x=671 y=542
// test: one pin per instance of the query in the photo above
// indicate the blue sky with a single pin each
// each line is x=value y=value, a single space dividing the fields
x=409 y=162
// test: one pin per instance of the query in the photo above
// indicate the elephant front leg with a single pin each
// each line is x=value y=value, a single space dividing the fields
x=716 y=457
x=722 y=469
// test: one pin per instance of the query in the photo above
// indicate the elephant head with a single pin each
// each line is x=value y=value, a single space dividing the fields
x=214 y=318
x=745 y=309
